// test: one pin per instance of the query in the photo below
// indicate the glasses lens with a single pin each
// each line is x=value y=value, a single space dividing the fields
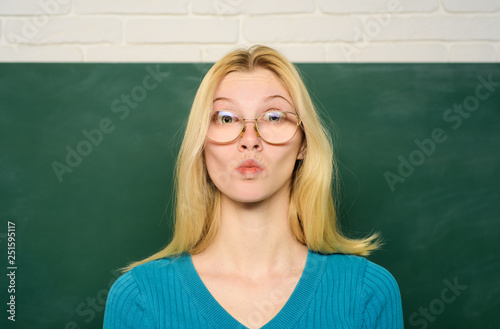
x=224 y=126
x=277 y=127
x=273 y=126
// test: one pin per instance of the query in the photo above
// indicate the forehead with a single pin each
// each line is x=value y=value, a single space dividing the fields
x=260 y=82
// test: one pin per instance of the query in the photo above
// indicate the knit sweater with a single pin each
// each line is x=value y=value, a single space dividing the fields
x=334 y=291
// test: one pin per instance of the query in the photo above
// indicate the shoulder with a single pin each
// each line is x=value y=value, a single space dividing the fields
x=376 y=289
x=155 y=267
x=342 y=260
x=343 y=265
x=381 y=298
x=125 y=287
x=125 y=304
x=131 y=282
x=371 y=274
x=132 y=296
x=378 y=278
x=375 y=279
x=159 y=273
x=129 y=286
x=379 y=285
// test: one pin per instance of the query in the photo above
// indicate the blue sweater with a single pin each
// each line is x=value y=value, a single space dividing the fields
x=334 y=291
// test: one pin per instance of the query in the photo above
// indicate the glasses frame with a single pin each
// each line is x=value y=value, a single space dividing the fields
x=256 y=127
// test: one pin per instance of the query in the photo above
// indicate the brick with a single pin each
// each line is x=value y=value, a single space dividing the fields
x=61 y=30
x=34 y=7
x=377 y=6
x=40 y=54
x=471 y=6
x=157 y=54
x=390 y=52
x=131 y=7
x=300 y=29
x=231 y=7
x=472 y=53
x=434 y=28
x=303 y=54
x=185 y=30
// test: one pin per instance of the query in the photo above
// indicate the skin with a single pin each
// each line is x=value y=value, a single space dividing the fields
x=254 y=257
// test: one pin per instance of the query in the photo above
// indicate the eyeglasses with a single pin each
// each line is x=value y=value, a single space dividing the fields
x=274 y=127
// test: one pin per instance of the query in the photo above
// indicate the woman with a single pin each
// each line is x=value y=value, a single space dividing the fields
x=255 y=242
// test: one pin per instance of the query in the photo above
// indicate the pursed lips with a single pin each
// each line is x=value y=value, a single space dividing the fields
x=249 y=168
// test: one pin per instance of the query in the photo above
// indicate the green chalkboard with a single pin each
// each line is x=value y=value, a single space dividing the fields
x=86 y=163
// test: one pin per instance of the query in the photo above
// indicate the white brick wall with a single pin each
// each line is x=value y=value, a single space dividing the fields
x=198 y=30
x=204 y=30
x=484 y=6
x=56 y=30
x=300 y=29
x=378 y=6
x=252 y=7
x=153 y=7
x=34 y=7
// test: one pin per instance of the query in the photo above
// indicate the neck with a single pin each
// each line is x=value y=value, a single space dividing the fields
x=255 y=239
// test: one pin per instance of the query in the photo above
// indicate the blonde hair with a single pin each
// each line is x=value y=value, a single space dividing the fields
x=312 y=214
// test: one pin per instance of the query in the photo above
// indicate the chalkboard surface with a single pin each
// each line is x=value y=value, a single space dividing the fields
x=86 y=163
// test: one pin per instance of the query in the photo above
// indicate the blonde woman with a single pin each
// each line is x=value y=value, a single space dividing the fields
x=256 y=243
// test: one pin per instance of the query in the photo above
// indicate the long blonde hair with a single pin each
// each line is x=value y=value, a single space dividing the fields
x=311 y=214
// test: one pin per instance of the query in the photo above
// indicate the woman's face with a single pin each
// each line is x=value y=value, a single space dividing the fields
x=250 y=169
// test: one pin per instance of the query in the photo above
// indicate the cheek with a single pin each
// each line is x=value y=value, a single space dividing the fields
x=217 y=167
x=288 y=160
x=287 y=164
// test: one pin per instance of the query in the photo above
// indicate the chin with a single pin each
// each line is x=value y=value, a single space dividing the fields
x=245 y=194
x=250 y=200
x=252 y=194
x=247 y=198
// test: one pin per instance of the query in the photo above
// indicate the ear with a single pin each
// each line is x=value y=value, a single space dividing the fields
x=302 y=152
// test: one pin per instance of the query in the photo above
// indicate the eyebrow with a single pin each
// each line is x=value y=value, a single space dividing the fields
x=223 y=99
x=266 y=99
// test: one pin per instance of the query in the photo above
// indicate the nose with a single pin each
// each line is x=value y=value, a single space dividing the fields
x=250 y=138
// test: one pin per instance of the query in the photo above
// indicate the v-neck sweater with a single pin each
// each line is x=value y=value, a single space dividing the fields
x=334 y=291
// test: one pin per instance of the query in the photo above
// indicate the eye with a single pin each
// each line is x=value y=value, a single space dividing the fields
x=273 y=116
x=224 y=117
